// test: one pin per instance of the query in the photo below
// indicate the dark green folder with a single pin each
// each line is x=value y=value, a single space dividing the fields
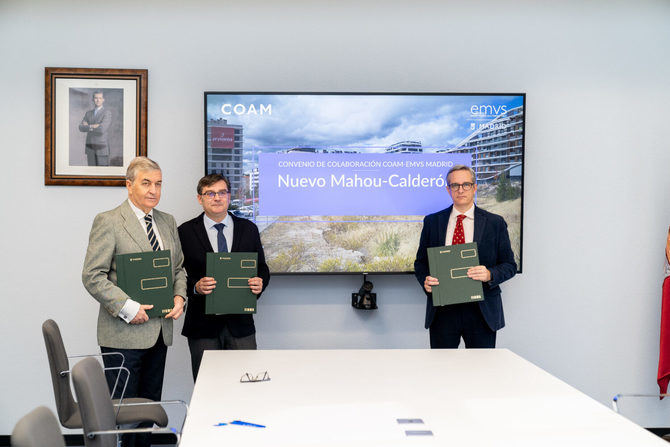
x=450 y=265
x=232 y=294
x=147 y=278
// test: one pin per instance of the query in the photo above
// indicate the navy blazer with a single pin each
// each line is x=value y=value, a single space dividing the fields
x=195 y=244
x=495 y=253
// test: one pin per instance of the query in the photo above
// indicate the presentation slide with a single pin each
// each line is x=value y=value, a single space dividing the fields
x=340 y=182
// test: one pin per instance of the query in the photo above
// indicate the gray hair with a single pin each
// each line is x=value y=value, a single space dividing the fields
x=462 y=168
x=140 y=164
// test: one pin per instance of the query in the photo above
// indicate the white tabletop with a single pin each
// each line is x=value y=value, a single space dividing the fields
x=355 y=398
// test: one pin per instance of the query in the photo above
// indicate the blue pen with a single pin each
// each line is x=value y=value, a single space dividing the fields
x=248 y=424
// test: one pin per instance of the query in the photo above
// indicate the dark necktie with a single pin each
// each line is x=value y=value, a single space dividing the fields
x=153 y=240
x=220 y=239
x=459 y=234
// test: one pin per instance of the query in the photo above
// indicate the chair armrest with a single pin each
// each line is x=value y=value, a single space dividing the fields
x=101 y=354
x=125 y=384
x=160 y=402
x=122 y=431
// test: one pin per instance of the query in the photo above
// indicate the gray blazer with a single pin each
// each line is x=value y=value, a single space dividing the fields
x=115 y=232
x=98 y=136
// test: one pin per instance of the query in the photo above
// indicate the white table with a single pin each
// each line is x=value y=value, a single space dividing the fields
x=347 y=398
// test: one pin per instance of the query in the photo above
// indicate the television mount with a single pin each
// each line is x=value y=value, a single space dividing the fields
x=364 y=299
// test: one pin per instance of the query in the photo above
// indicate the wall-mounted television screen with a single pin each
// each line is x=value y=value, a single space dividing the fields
x=340 y=182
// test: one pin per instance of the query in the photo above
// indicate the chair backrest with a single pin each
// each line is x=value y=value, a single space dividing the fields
x=58 y=362
x=95 y=403
x=39 y=428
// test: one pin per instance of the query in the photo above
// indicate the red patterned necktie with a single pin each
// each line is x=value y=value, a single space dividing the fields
x=459 y=234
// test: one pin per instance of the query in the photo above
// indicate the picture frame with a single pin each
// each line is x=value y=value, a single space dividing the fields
x=95 y=123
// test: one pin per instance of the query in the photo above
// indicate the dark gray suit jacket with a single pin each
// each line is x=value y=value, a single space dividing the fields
x=97 y=137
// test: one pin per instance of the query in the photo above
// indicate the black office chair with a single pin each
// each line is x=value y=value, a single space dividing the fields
x=68 y=411
x=97 y=409
x=39 y=428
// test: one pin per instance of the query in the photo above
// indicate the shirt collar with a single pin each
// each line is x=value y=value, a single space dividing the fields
x=138 y=212
x=209 y=223
x=469 y=214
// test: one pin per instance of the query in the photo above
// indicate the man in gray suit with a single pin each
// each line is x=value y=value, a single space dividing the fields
x=123 y=324
x=96 y=123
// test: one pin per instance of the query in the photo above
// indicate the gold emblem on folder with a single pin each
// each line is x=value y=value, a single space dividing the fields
x=161 y=262
x=461 y=272
x=248 y=263
x=469 y=253
x=238 y=283
x=154 y=283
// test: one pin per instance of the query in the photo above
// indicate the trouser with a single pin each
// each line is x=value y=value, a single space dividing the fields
x=224 y=340
x=97 y=154
x=456 y=321
x=147 y=367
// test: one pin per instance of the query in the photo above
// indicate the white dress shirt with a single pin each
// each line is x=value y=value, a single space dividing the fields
x=468 y=225
x=213 y=234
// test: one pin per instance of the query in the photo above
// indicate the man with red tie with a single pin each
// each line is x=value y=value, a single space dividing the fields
x=461 y=223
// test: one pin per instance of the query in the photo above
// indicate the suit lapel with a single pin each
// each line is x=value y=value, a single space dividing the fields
x=442 y=221
x=133 y=227
x=201 y=234
x=480 y=223
x=237 y=237
x=164 y=230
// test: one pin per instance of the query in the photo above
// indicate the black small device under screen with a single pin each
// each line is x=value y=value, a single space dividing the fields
x=364 y=298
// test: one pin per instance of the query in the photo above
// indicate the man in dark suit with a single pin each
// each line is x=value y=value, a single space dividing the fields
x=464 y=222
x=217 y=230
x=96 y=124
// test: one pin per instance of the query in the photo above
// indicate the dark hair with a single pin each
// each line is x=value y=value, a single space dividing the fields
x=210 y=179
x=98 y=91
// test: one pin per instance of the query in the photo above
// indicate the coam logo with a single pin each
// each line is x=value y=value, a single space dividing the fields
x=251 y=109
x=488 y=109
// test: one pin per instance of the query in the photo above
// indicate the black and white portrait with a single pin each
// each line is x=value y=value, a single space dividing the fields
x=96 y=123
x=96 y=127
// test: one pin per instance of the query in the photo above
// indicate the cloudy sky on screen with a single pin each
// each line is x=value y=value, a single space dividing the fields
x=367 y=123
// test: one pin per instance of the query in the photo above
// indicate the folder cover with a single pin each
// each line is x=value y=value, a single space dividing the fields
x=147 y=278
x=450 y=265
x=232 y=294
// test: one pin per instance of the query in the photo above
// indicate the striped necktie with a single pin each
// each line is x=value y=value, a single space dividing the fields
x=153 y=240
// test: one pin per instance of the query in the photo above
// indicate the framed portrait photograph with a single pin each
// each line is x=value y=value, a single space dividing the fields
x=95 y=123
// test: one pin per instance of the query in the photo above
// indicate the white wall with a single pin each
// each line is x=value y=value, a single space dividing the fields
x=597 y=77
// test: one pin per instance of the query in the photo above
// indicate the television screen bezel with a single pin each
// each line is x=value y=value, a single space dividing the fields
x=349 y=93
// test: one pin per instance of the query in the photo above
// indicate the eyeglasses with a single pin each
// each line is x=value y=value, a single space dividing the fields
x=212 y=194
x=258 y=377
x=464 y=186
